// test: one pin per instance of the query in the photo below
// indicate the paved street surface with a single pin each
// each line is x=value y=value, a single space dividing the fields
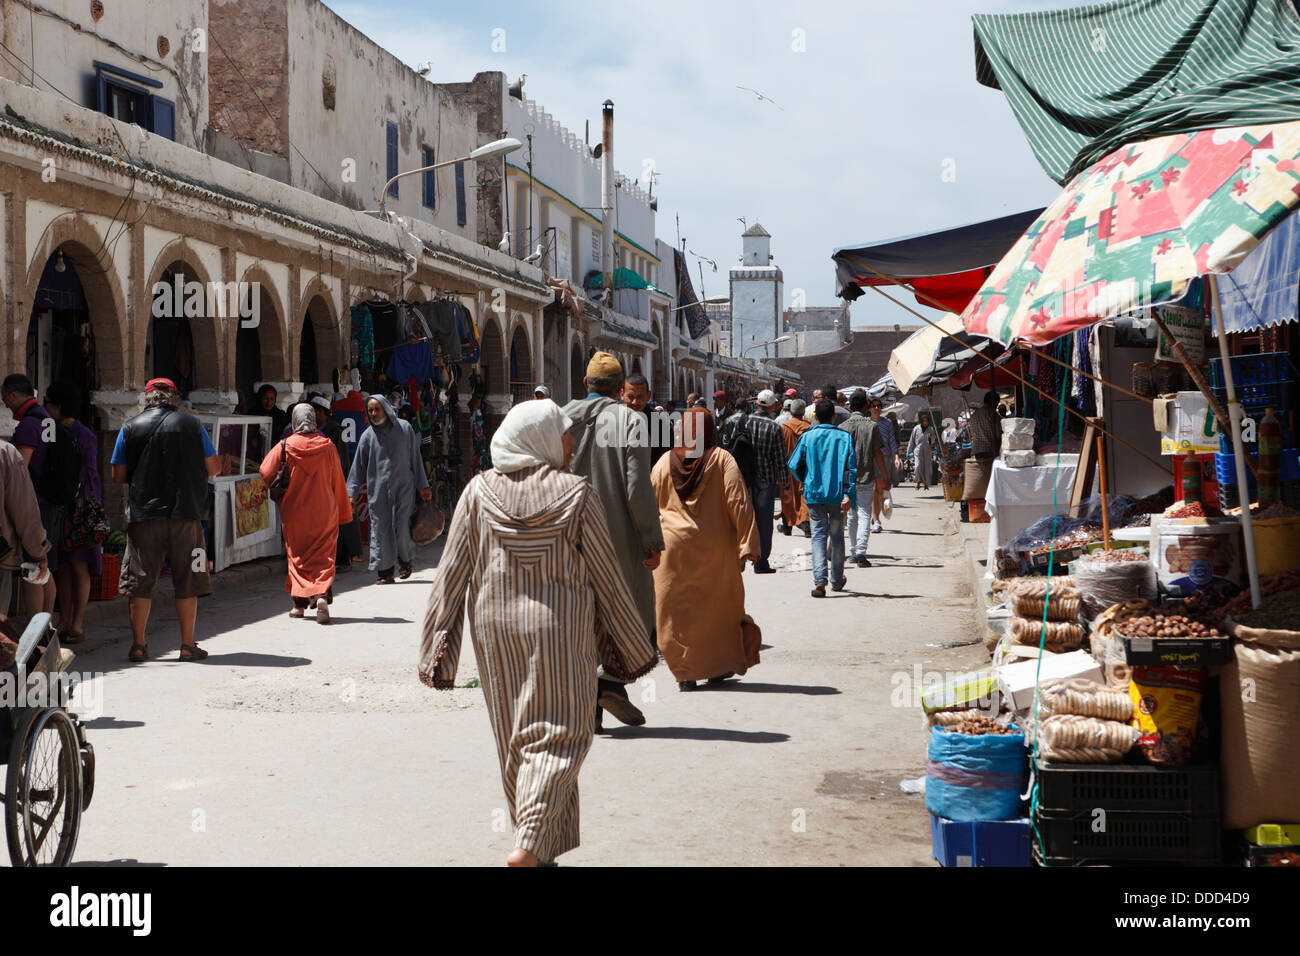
x=301 y=744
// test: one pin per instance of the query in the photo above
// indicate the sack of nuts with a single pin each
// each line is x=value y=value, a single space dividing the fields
x=1083 y=698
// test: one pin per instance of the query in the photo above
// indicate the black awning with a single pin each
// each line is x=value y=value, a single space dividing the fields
x=961 y=253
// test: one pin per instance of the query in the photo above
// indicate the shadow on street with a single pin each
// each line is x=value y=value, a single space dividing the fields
x=698 y=733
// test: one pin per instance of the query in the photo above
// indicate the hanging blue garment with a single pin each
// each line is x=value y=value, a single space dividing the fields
x=363 y=337
x=412 y=360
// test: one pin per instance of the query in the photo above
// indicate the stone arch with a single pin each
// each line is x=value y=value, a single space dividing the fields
x=320 y=334
x=178 y=258
x=521 y=364
x=272 y=324
x=492 y=357
x=106 y=300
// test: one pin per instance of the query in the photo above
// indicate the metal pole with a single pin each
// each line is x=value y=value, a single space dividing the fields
x=1238 y=449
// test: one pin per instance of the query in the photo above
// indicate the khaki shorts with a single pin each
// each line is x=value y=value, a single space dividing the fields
x=146 y=544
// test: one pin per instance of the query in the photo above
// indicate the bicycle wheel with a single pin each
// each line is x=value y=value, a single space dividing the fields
x=43 y=790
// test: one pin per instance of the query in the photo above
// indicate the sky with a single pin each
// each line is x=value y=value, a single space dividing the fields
x=876 y=128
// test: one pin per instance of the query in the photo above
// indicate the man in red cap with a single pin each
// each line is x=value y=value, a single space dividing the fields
x=721 y=408
x=166 y=457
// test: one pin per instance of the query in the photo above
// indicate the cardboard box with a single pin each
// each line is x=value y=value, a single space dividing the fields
x=1017 y=681
x=1191 y=426
x=964 y=689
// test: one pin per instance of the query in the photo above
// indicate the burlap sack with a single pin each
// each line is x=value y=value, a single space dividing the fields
x=1260 y=703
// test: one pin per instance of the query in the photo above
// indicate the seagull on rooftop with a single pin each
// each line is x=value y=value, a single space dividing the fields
x=426 y=68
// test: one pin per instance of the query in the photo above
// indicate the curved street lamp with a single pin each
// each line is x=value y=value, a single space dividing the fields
x=761 y=345
x=499 y=147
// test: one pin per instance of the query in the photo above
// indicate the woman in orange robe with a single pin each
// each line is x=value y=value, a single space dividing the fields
x=310 y=512
x=709 y=532
x=794 y=510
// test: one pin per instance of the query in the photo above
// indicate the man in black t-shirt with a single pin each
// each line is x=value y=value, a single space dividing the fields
x=166 y=457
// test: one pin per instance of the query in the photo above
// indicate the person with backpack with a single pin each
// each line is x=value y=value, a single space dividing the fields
x=756 y=443
x=166 y=457
x=54 y=463
x=80 y=552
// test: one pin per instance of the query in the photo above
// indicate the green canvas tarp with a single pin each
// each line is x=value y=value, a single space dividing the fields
x=1084 y=81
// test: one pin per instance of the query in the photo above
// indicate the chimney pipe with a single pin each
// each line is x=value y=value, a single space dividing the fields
x=607 y=194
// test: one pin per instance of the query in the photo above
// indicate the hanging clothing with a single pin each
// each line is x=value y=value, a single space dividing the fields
x=311 y=510
x=529 y=565
x=444 y=332
x=388 y=461
x=363 y=337
x=412 y=360
x=701 y=625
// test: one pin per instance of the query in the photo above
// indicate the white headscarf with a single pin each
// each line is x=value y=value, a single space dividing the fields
x=531 y=434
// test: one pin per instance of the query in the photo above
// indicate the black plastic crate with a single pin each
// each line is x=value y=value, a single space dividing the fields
x=1082 y=837
x=1176 y=651
x=1128 y=787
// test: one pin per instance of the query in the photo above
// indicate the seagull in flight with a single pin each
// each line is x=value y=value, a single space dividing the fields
x=761 y=97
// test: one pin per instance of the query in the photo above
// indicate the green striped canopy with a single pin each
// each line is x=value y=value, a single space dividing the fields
x=1084 y=81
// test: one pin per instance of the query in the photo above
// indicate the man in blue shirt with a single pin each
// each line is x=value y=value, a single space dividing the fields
x=825 y=462
x=166 y=457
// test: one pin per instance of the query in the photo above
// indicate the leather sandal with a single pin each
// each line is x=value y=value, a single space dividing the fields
x=139 y=653
x=71 y=637
x=192 y=652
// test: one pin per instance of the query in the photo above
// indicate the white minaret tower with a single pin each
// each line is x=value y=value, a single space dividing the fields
x=756 y=296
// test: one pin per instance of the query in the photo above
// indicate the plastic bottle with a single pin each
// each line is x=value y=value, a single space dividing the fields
x=1191 y=479
x=1270 y=457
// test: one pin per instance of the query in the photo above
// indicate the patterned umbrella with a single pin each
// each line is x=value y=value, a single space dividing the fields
x=1133 y=229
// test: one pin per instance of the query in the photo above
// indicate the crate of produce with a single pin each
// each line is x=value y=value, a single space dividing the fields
x=103 y=587
x=1085 y=837
x=1137 y=788
x=1260 y=381
x=980 y=842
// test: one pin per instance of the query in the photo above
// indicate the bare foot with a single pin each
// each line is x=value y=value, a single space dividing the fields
x=521 y=857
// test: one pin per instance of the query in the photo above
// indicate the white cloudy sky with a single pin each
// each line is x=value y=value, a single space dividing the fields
x=883 y=96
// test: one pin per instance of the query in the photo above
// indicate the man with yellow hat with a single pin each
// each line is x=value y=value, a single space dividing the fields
x=613 y=453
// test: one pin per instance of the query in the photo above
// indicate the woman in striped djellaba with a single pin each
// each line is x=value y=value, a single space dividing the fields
x=529 y=564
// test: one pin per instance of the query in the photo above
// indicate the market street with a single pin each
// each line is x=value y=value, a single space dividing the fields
x=300 y=744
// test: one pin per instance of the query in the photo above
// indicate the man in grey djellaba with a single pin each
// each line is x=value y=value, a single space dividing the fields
x=388 y=461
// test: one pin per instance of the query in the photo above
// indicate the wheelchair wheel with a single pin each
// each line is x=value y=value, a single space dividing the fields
x=43 y=792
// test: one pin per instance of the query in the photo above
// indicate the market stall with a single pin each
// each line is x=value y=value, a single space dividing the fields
x=245 y=523
x=1144 y=651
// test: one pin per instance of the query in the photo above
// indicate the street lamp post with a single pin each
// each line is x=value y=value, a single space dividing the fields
x=764 y=345
x=499 y=147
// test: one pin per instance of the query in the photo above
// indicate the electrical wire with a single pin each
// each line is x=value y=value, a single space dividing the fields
x=1047 y=597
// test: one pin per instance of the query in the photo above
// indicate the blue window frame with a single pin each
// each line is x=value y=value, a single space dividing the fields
x=125 y=96
x=392 y=158
x=460 y=194
x=430 y=185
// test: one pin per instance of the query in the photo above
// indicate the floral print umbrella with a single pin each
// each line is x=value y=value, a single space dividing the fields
x=1134 y=229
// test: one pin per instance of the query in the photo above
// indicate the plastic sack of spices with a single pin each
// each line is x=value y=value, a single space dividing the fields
x=1167 y=710
x=1105 y=578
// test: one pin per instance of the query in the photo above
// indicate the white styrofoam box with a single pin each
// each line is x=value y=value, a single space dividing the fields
x=1017 y=426
x=1018 y=459
x=1015 y=441
x=1017 y=681
x=1066 y=460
